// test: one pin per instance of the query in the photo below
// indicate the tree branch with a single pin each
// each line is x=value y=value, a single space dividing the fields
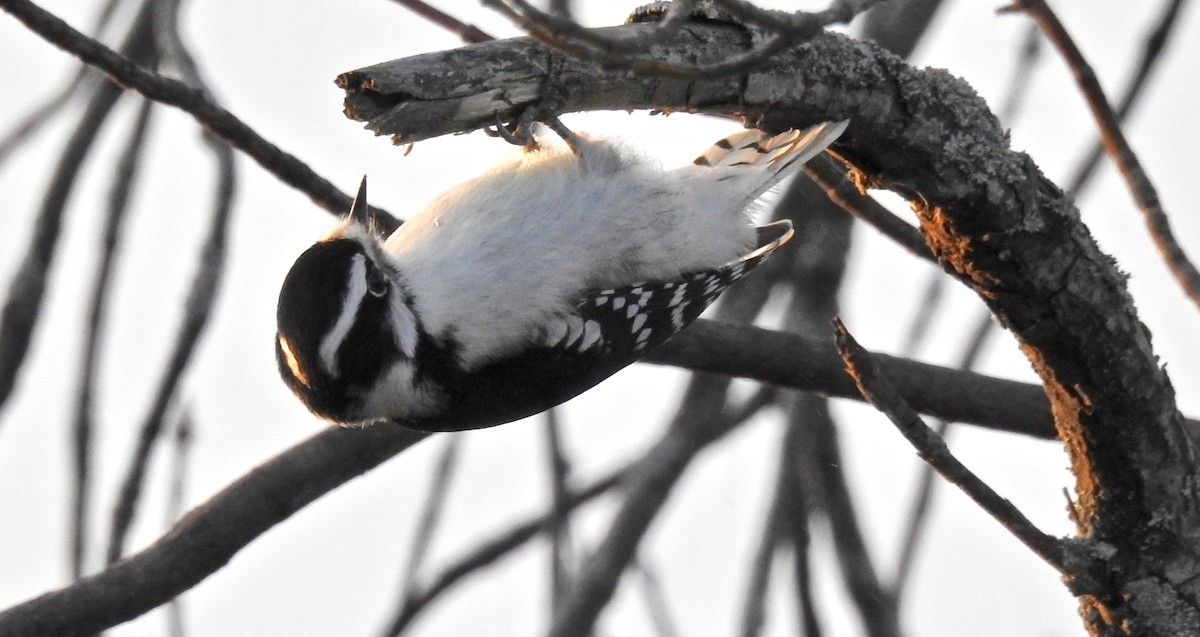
x=796 y=362
x=875 y=387
x=1118 y=148
x=286 y=167
x=208 y=537
x=22 y=307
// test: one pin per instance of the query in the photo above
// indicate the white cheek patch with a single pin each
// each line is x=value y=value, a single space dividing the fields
x=357 y=289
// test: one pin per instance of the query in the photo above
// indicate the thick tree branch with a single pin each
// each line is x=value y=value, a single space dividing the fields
x=208 y=537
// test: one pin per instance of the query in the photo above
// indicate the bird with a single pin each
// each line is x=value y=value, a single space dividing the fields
x=525 y=286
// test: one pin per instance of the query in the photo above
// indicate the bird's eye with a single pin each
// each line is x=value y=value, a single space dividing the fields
x=377 y=283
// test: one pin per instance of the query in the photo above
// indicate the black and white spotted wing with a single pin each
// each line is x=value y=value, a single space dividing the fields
x=631 y=320
x=611 y=329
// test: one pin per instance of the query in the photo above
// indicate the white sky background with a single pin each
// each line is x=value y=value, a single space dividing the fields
x=334 y=568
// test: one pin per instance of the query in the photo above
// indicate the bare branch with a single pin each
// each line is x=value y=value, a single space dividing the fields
x=431 y=512
x=287 y=168
x=468 y=32
x=875 y=387
x=646 y=489
x=656 y=600
x=841 y=191
x=22 y=307
x=1118 y=148
x=182 y=451
x=782 y=30
x=200 y=300
x=560 y=531
x=789 y=360
x=41 y=114
x=1156 y=44
x=207 y=538
x=118 y=204
x=919 y=510
x=503 y=544
x=755 y=599
x=796 y=523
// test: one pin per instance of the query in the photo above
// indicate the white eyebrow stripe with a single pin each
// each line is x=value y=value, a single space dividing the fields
x=341 y=328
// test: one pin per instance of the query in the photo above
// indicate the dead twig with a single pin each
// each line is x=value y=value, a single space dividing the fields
x=22 y=307
x=431 y=512
x=200 y=300
x=1156 y=44
x=779 y=31
x=832 y=178
x=124 y=175
x=417 y=600
x=469 y=33
x=286 y=167
x=560 y=531
x=1117 y=147
x=877 y=389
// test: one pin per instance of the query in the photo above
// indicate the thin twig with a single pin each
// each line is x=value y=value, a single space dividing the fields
x=124 y=175
x=560 y=533
x=919 y=327
x=22 y=307
x=418 y=599
x=176 y=496
x=755 y=600
x=286 y=167
x=656 y=600
x=469 y=33
x=832 y=178
x=1118 y=148
x=200 y=300
x=784 y=30
x=878 y=390
x=1028 y=56
x=874 y=601
x=923 y=499
x=431 y=513
x=41 y=114
x=698 y=423
x=796 y=519
x=1156 y=44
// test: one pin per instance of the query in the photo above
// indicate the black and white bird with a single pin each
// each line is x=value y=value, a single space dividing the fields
x=522 y=288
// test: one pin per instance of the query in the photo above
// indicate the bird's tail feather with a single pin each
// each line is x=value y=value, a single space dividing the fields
x=775 y=157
